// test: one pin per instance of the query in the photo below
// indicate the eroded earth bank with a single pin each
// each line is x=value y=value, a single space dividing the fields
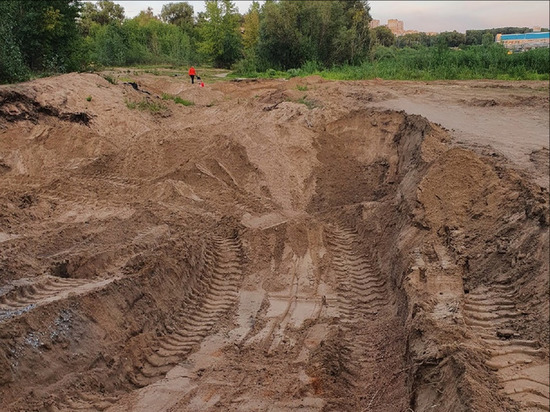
x=280 y=245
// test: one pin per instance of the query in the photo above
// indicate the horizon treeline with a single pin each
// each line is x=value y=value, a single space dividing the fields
x=57 y=36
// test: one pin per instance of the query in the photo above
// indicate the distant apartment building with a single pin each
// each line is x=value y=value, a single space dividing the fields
x=374 y=23
x=396 y=26
x=524 y=41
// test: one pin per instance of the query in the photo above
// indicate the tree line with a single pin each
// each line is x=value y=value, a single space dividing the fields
x=70 y=35
x=456 y=39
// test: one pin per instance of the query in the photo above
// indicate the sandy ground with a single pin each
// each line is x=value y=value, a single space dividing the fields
x=279 y=245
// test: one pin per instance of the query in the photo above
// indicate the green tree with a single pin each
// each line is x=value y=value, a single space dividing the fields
x=415 y=40
x=383 y=36
x=103 y=12
x=321 y=23
x=279 y=36
x=12 y=66
x=251 y=27
x=476 y=36
x=354 y=41
x=452 y=38
x=47 y=34
x=219 y=32
x=179 y=14
x=145 y=16
x=110 y=45
x=487 y=39
x=325 y=32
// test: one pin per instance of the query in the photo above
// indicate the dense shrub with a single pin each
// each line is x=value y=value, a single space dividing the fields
x=430 y=63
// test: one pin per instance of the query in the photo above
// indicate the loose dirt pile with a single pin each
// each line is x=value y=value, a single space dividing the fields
x=279 y=245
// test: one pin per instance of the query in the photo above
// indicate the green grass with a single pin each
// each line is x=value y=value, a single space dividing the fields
x=431 y=63
x=310 y=104
x=110 y=79
x=155 y=66
x=208 y=74
x=154 y=72
x=177 y=99
x=146 y=105
x=268 y=74
x=475 y=62
x=301 y=88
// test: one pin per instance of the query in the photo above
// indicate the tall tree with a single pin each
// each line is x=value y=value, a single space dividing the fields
x=383 y=36
x=103 y=12
x=354 y=42
x=251 y=26
x=47 y=33
x=279 y=44
x=220 y=36
x=12 y=66
x=328 y=32
x=145 y=16
x=179 y=14
x=452 y=38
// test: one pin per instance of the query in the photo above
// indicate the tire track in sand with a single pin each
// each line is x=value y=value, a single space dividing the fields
x=212 y=295
x=361 y=290
x=519 y=364
x=45 y=289
x=362 y=301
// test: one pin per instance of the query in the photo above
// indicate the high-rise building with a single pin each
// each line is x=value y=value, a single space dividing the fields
x=374 y=23
x=396 y=26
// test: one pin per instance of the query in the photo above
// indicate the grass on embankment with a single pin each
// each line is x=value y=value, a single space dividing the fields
x=474 y=62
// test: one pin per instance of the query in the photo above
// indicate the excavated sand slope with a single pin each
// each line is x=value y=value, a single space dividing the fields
x=280 y=245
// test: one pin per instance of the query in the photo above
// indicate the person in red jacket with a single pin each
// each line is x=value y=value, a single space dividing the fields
x=192 y=74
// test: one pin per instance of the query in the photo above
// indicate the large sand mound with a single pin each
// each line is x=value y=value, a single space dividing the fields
x=279 y=245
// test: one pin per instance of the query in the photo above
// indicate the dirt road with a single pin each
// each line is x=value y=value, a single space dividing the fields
x=278 y=245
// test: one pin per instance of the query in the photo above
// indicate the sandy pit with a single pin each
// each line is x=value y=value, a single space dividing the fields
x=279 y=245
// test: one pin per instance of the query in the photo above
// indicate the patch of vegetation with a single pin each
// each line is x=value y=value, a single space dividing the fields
x=177 y=99
x=301 y=88
x=310 y=104
x=89 y=98
x=489 y=61
x=110 y=79
x=155 y=67
x=146 y=105
x=438 y=63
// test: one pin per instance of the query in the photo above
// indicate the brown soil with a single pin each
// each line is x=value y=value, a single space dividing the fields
x=280 y=245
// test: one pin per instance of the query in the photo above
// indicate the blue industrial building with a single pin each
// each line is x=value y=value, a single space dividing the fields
x=524 y=41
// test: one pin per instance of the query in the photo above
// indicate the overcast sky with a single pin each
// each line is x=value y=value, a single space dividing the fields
x=419 y=15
